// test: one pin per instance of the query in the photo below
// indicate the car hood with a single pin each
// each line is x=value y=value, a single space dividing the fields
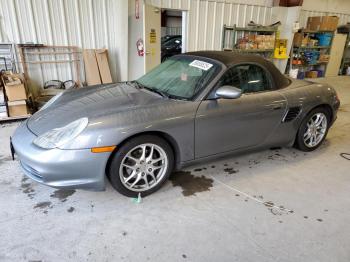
x=94 y=102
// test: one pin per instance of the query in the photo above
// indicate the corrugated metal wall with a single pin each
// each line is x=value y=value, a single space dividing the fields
x=173 y=30
x=171 y=4
x=207 y=17
x=304 y=14
x=83 y=23
x=104 y=24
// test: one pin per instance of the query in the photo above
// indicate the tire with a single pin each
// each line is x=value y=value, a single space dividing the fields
x=165 y=58
x=303 y=140
x=130 y=164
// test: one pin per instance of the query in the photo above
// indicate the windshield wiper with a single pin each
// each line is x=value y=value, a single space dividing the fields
x=163 y=94
x=140 y=86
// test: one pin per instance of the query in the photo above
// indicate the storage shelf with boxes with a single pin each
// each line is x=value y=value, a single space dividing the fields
x=251 y=39
x=311 y=47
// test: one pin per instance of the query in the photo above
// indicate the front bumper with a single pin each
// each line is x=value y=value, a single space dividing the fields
x=59 y=168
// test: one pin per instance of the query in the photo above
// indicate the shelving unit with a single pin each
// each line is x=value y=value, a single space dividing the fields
x=248 y=37
x=301 y=53
x=8 y=57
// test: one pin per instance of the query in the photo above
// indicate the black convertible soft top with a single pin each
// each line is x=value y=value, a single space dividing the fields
x=230 y=58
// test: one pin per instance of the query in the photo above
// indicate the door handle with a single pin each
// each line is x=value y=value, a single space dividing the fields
x=147 y=52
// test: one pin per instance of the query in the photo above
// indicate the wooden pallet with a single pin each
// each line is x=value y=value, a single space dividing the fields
x=14 y=118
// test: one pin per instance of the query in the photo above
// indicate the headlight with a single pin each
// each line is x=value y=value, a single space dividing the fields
x=51 y=101
x=59 y=136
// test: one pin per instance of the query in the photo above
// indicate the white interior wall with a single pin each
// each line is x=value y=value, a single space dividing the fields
x=332 y=6
x=304 y=14
x=287 y=16
x=173 y=23
x=82 y=23
x=174 y=18
x=207 y=18
x=340 y=8
x=136 y=62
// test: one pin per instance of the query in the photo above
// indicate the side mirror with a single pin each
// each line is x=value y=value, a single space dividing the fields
x=229 y=92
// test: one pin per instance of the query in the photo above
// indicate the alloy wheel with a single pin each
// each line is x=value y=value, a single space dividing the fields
x=316 y=129
x=143 y=167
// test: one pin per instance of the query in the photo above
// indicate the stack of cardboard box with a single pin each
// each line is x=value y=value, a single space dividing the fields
x=16 y=94
x=311 y=74
x=252 y=41
x=322 y=23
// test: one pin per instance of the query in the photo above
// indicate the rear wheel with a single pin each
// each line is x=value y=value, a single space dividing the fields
x=141 y=166
x=313 y=130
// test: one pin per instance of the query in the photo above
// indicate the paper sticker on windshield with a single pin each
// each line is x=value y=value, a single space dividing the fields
x=201 y=65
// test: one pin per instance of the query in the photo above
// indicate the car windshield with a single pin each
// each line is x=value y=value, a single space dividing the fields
x=181 y=77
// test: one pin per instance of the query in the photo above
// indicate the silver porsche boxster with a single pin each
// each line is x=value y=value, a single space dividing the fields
x=192 y=107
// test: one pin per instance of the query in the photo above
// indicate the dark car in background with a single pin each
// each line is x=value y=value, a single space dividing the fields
x=171 y=45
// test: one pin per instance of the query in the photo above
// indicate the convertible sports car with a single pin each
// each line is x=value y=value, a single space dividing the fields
x=190 y=108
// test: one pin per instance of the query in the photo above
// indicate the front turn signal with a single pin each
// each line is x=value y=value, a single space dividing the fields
x=103 y=149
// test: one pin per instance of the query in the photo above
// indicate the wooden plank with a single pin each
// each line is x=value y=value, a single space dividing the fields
x=77 y=65
x=49 y=61
x=91 y=67
x=103 y=66
x=52 y=53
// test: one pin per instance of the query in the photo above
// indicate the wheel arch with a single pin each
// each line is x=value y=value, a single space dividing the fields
x=325 y=106
x=168 y=138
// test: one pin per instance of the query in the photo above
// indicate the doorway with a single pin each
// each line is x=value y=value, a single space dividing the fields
x=164 y=34
x=171 y=32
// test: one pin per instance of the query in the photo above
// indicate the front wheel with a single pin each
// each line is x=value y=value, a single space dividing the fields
x=313 y=130
x=141 y=166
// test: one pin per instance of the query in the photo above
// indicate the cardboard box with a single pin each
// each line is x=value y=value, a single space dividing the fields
x=298 y=37
x=329 y=23
x=17 y=108
x=311 y=74
x=305 y=41
x=323 y=58
x=14 y=86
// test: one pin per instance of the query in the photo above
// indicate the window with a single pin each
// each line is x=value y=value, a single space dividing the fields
x=249 y=78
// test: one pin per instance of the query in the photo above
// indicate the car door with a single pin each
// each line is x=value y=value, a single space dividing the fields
x=223 y=125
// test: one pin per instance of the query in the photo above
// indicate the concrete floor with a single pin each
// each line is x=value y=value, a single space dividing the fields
x=218 y=211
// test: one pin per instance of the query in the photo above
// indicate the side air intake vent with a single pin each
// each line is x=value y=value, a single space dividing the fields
x=292 y=113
